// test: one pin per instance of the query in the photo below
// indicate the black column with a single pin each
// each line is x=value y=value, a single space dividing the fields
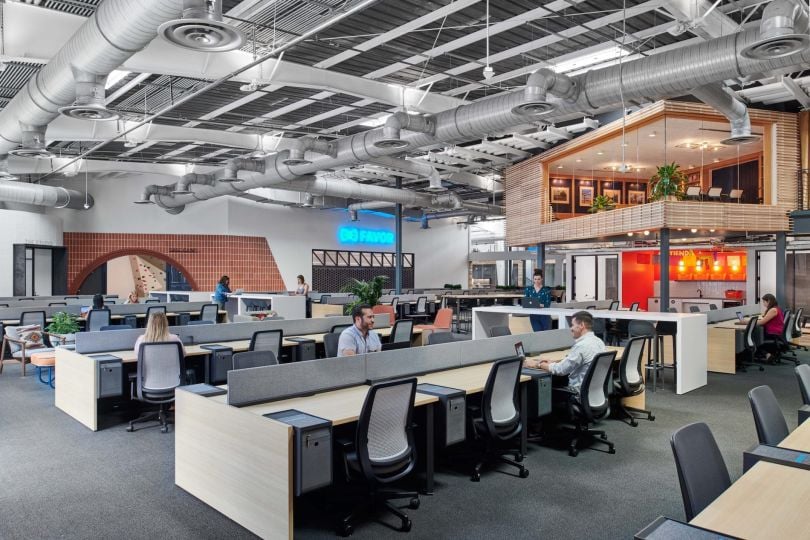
x=781 y=270
x=540 y=261
x=398 y=255
x=664 y=263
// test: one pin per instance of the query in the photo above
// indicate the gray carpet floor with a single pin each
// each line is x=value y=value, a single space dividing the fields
x=59 y=480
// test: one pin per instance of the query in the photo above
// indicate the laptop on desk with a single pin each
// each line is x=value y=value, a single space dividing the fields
x=531 y=303
x=740 y=318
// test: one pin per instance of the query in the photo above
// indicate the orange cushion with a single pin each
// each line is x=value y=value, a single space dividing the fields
x=43 y=359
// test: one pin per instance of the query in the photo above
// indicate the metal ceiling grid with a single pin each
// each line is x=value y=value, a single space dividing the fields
x=317 y=107
x=268 y=102
x=84 y=8
x=13 y=78
x=159 y=92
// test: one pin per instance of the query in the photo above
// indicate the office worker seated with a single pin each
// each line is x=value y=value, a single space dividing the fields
x=772 y=322
x=576 y=362
x=360 y=338
x=157 y=329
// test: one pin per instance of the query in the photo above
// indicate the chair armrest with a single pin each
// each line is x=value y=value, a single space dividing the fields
x=14 y=340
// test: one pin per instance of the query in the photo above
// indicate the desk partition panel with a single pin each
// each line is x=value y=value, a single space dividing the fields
x=14 y=313
x=403 y=362
x=258 y=385
x=728 y=314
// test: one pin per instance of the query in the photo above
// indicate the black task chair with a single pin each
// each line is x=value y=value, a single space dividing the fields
x=251 y=359
x=421 y=309
x=655 y=363
x=591 y=405
x=402 y=332
x=497 y=331
x=55 y=304
x=803 y=377
x=160 y=367
x=437 y=338
x=115 y=327
x=702 y=473
x=630 y=381
x=634 y=306
x=614 y=306
x=338 y=328
x=694 y=309
x=152 y=301
x=96 y=318
x=712 y=307
x=325 y=298
x=600 y=328
x=768 y=417
x=267 y=340
x=780 y=344
x=154 y=309
x=209 y=312
x=131 y=320
x=383 y=451
x=198 y=323
x=749 y=352
x=330 y=344
x=496 y=422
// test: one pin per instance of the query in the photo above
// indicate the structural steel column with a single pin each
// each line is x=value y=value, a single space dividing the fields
x=664 y=263
x=781 y=274
x=398 y=255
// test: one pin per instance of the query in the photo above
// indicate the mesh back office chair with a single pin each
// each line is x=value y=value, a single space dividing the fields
x=693 y=192
x=746 y=357
x=330 y=344
x=630 y=381
x=712 y=307
x=325 y=298
x=209 y=312
x=715 y=193
x=251 y=359
x=803 y=377
x=160 y=367
x=402 y=332
x=383 y=450
x=694 y=309
x=614 y=306
x=497 y=421
x=197 y=323
x=796 y=329
x=591 y=405
x=154 y=309
x=267 y=340
x=768 y=417
x=497 y=331
x=152 y=301
x=634 y=306
x=131 y=320
x=96 y=318
x=780 y=345
x=395 y=303
x=441 y=337
x=702 y=473
x=115 y=327
x=600 y=328
x=338 y=328
x=421 y=309
x=654 y=361
x=735 y=194
x=55 y=304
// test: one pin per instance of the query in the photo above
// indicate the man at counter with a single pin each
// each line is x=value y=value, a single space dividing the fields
x=360 y=338
x=575 y=364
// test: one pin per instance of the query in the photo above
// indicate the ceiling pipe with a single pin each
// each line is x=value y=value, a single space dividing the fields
x=201 y=28
x=90 y=102
x=297 y=154
x=448 y=214
x=736 y=111
x=183 y=186
x=39 y=195
x=783 y=31
x=369 y=205
x=392 y=129
x=541 y=83
x=33 y=143
x=233 y=166
x=421 y=168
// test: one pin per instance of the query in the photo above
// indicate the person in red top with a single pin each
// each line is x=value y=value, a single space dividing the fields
x=772 y=322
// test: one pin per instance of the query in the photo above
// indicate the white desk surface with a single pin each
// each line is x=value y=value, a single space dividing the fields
x=601 y=313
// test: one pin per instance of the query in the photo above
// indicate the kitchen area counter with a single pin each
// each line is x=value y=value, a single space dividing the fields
x=683 y=304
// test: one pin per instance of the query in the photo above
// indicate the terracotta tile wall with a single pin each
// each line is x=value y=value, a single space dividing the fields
x=202 y=258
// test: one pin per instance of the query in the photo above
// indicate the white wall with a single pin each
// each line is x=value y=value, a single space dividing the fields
x=18 y=227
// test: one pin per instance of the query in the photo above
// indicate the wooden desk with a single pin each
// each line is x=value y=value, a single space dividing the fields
x=471 y=379
x=769 y=501
x=241 y=464
x=723 y=345
x=799 y=439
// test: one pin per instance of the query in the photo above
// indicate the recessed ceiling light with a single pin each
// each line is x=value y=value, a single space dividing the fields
x=694 y=230
x=651 y=134
x=711 y=230
x=600 y=153
x=629 y=234
x=559 y=166
x=646 y=233
x=579 y=161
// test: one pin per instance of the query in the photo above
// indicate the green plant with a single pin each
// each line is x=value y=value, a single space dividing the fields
x=601 y=202
x=668 y=181
x=452 y=286
x=63 y=323
x=367 y=292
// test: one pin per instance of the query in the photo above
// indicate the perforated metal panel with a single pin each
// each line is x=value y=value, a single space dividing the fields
x=334 y=269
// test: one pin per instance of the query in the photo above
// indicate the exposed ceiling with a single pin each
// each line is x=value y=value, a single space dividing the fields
x=428 y=54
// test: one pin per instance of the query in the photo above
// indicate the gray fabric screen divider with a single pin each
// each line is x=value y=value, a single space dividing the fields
x=258 y=385
x=404 y=362
x=14 y=313
x=727 y=314
x=486 y=350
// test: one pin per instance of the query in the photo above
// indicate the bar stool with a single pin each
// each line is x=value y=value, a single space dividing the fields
x=663 y=329
x=647 y=330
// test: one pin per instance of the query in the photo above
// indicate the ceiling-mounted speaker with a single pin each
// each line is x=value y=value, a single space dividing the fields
x=201 y=28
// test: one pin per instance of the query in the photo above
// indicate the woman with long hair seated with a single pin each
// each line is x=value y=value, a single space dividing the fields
x=772 y=322
x=157 y=329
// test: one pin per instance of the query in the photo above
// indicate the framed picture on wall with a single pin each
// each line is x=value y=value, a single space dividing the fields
x=560 y=195
x=614 y=195
x=636 y=197
x=585 y=195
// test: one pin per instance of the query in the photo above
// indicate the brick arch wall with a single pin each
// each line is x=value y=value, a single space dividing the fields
x=202 y=258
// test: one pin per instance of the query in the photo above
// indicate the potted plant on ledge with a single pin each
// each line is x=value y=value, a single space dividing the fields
x=668 y=183
x=601 y=203
x=63 y=327
x=365 y=292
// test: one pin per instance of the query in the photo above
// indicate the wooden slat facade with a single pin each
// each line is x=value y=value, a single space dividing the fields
x=528 y=209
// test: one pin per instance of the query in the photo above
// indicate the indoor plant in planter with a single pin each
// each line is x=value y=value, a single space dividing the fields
x=63 y=327
x=366 y=292
x=668 y=183
x=601 y=203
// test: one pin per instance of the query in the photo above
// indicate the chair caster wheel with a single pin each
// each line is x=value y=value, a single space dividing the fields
x=651 y=418
x=406 y=525
x=633 y=424
x=413 y=504
x=130 y=429
x=345 y=530
x=518 y=457
x=524 y=473
x=573 y=452
x=761 y=368
x=604 y=435
x=164 y=429
x=475 y=477
x=611 y=450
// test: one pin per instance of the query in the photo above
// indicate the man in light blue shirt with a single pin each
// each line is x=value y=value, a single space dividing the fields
x=360 y=338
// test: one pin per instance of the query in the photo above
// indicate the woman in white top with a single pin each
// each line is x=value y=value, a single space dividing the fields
x=132 y=298
x=303 y=287
x=157 y=329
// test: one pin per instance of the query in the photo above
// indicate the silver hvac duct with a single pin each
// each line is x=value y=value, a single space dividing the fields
x=39 y=195
x=541 y=83
x=4 y=174
x=33 y=143
x=783 y=31
x=183 y=186
x=369 y=205
x=672 y=73
x=115 y=32
x=90 y=102
x=229 y=173
x=421 y=168
x=297 y=154
x=400 y=120
x=201 y=28
x=447 y=214
x=732 y=108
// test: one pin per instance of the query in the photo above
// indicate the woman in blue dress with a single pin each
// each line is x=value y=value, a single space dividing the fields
x=222 y=291
x=543 y=294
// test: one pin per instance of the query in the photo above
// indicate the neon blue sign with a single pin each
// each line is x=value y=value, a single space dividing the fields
x=353 y=235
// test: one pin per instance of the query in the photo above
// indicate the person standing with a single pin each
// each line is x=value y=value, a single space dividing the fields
x=303 y=287
x=360 y=338
x=222 y=291
x=538 y=290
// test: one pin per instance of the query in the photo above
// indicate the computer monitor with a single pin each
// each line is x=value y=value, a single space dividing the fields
x=519 y=351
x=740 y=316
x=531 y=303
x=239 y=291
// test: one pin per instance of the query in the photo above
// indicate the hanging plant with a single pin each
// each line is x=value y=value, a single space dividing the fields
x=668 y=183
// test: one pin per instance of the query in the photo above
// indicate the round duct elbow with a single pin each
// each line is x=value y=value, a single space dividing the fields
x=33 y=143
x=783 y=31
x=201 y=29
x=777 y=46
x=144 y=201
x=88 y=111
x=295 y=157
x=736 y=140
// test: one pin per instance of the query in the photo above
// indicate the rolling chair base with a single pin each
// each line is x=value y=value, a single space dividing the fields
x=379 y=502
x=161 y=415
x=592 y=435
x=523 y=472
x=627 y=413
